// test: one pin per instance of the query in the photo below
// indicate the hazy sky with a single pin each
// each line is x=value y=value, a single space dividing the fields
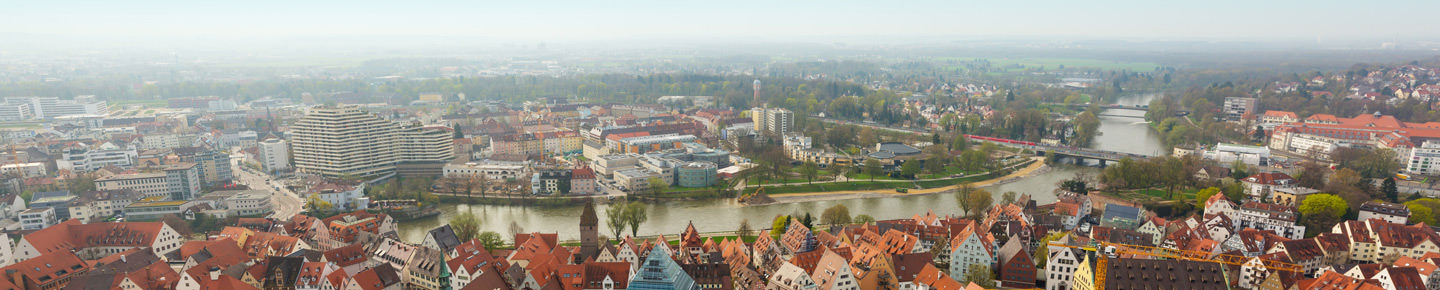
x=680 y=19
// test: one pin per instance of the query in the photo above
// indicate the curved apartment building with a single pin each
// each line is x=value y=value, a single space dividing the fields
x=344 y=140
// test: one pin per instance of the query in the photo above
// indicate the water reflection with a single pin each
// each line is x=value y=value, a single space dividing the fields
x=1119 y=134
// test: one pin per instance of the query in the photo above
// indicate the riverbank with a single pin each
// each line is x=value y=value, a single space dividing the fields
x=1036 y=167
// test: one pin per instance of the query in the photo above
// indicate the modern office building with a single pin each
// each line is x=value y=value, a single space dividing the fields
x=51 y=107
x=147 y=184
x=82 y=158
x=183 y=181
x=645 y=144
x=37 y=218
x=696 y=174
x=214 y=165
x=333 y=141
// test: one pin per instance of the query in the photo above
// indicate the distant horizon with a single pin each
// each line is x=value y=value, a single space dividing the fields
x=159 y=24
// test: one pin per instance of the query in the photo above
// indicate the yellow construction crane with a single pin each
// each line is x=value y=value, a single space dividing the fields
x=1111 y=250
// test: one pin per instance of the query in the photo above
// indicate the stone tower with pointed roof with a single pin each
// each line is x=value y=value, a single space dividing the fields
x=589 y=236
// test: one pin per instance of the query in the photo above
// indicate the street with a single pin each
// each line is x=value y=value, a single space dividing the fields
x=285 y=203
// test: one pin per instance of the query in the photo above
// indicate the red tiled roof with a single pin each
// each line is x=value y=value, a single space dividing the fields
x=73 y=235
x=1273 y=113
x=346 y=231
x=1405 y=278
x=310 y=274
x=1269 y=178
x=1400 y=235
x=48 y=268
x=1422 y=267
x=337 y=278
x=1301 y=250
x=223 y=251
x=582 y=173
x=931 y=276
x=549 y=240
x=348 y=255
x=157 y=275
x=807 y=260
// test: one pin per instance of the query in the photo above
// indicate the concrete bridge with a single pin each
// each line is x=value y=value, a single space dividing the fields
x=1081 y=153
x=1122 y=116
x=1075 y=152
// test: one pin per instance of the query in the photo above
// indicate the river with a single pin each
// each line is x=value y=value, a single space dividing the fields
x=1119 y=134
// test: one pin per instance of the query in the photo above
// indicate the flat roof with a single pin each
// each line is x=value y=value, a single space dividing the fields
x=131 y=176
x=157 y=203
x=53 y=199
x=899 y=148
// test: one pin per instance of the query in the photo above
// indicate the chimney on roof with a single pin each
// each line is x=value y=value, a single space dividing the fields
x=214 y=273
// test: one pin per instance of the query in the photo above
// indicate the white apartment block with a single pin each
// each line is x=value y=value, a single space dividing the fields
x=33 y=169
x=425 y=144
x=82 y=158
x=157 y=141
x=38 y=218
x=1424 y=160
x=274 y=155
x=16 y=112
x=343 y=140
x=775 y=120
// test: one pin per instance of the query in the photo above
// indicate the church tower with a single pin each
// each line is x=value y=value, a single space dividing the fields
x=589 y=235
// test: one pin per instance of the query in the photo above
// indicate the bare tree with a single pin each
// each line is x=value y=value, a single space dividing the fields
x=744 y=230
x=483 y=183
x=451 y=183
x=515 y=228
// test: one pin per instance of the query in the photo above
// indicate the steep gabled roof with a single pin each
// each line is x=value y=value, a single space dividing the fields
x=72 y=235
x=348 y=255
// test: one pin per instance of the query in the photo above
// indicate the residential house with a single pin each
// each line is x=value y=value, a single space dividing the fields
x=1261 y=186
x=970 y=247
x=789 y=277
x=833 y=272
x=1017 y=269
x=1061 y=265
x=1391 y=212
x=1280 y=219
x=1218 y=204
x=1306 y=253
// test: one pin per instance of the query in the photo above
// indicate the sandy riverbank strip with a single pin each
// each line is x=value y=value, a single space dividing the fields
x=1033 y=168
